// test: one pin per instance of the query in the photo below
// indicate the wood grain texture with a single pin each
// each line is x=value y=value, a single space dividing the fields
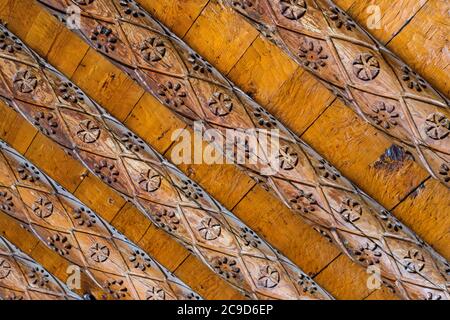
x=382 y=89
x=22 y=278
x=162 y=193
x=179 y=100
x=120 y=269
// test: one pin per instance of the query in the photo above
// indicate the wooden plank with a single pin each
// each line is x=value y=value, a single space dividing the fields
x=220 y=36
x=423 y=44
x=168 y=12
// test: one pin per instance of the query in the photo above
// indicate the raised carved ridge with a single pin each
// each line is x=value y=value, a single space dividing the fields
x=22 y=278
x=343 y=213
x=363 y=73
x=80 y=236
x=164 y=194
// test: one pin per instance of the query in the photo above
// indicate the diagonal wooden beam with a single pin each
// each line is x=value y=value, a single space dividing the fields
x=166 y=196
x=119 y=268
x=370 y=79
x=22 y=278
x=306 y=182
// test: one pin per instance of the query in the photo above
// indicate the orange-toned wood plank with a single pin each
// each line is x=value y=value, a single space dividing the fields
x=168 y=12
x=220 y=36
x=355 y=148
x=423 y=44
x=286 y=231
x=262 y=70
x=427 y=211
x=205 y=282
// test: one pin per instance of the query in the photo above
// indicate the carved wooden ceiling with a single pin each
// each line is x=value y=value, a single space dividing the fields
x=148 y=83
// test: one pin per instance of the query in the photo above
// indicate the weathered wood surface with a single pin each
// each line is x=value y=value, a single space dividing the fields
x=22 y=278
x=294 y=238
x=316 y=191
x=173 y=202
x=120 y=269
x=304 y=104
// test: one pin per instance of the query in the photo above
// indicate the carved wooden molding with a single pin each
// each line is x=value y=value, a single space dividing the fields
x=119 y=268
x=172 y=201
x=22 y=278
x=369 y=78
x=306 y=183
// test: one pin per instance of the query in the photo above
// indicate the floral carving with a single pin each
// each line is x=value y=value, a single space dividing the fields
x=249 y=238
x=140 y=260
x=99 y=252
x=45 y=122
x=107 y=171
x=42 y=207
x=430 y=296
x=384 y=115
x=264 y=118
x=191 y=189
x=84 y=217
x=220 y=104
x=350 y=210
x=25 y=81
x=444 y=171
x=173 y=94
x=437 y=126
x=269 y=277
x=327 y=171
x=104 y=38
x=341 y=18
x=28 y=172
x=39 y=277
x=413 y=80
x=209 y=228
x=70 y=93
x=131 y=8
x=5 y=269
x=155 y=293
x=369 y=254
x=307 y=284
x=304 y=202
x=244 y=4
x=324 y=234
x=150 y=180
x=6 y=203
x=199 y=64
x=132 y=142
x=116 y=288
x=14 y=296
x=366 y=67
x=59 y=244
x=167 y=219
x=311 y=54
x=293 y=9
x=414 y=261
x=88 y=131
x=9 y=43
x=226 y=267
x=390 y=221
x=288 y=158
x=153 y=49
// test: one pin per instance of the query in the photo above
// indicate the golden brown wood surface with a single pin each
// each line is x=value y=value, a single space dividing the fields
x=67 y=52
x=169 y=199
x=22 y=278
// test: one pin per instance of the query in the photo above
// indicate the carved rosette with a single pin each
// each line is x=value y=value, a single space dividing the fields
x=344 y=57
x=78 y=235
x=169 y=199
x=22 y=278
x=341 y=212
